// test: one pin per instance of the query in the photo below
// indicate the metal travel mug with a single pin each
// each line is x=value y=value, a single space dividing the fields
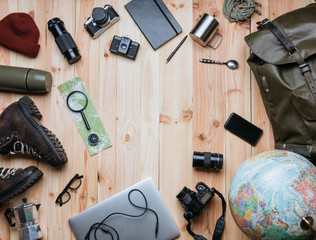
x=205 y=31
x=25 y=79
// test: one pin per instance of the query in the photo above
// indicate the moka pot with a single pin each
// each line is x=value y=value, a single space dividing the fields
x=26 y=216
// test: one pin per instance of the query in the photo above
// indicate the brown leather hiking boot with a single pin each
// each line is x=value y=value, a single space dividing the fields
x=21 y=132
x=14 y=181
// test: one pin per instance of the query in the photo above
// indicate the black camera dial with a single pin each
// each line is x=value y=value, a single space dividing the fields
x=100 y=16
x=200 y=188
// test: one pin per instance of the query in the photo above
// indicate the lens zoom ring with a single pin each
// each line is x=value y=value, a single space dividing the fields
x=65 y=42
x=207 y=160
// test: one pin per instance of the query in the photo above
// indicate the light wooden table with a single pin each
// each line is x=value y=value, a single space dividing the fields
x=156 y=114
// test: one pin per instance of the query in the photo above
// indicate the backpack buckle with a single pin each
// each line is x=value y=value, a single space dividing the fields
x=305 y=68
x=262 y=24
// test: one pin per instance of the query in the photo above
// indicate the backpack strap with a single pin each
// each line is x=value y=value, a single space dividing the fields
x=293 y=52
x=308 y=150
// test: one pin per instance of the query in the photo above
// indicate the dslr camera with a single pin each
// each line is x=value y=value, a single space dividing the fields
x=124 y=46
x=101 y=20
x=193 y=202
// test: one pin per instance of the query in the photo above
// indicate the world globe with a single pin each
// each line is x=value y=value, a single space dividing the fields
x=271 y=193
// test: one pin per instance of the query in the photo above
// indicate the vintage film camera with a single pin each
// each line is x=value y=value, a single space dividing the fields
x=101 y=20
x=124 y=46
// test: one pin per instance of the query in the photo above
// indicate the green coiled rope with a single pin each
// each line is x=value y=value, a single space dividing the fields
x=240 y=10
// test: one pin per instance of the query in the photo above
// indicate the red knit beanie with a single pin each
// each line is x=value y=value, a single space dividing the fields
x=19 y=32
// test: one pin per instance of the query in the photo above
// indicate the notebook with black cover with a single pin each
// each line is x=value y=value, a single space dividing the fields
x=128 y=228
x=154 y=20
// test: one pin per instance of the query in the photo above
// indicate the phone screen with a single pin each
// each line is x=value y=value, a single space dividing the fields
x=243 y=129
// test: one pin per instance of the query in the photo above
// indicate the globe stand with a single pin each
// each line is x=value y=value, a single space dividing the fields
x=307 y=223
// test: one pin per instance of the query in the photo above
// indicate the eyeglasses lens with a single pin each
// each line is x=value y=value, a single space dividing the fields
x=75 y=183
x=65 y=197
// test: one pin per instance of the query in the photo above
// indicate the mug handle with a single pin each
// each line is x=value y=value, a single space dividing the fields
x=217 y=42
x=38 y=206
x=8 y=217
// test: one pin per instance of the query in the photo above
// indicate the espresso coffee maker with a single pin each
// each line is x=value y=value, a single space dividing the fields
x=26 y=216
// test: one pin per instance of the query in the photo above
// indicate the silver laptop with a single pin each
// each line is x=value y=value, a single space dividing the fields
x=128 y=228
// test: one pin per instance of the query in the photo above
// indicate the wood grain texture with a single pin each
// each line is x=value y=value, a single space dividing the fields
x=176 y=111
x=156 y=114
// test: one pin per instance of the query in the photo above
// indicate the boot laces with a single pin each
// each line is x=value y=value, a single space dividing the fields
x=20 y=147
x=8 y=172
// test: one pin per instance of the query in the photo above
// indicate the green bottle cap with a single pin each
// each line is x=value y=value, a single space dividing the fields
x=38 y=81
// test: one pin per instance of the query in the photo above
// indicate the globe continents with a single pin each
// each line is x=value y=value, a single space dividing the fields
x=271 y=193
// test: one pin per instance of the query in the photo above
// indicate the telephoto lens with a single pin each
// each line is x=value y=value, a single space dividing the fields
x=64 y=40
x=208 y=160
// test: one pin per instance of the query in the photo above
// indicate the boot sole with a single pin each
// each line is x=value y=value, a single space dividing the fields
x=23 y=186
x=30 y=110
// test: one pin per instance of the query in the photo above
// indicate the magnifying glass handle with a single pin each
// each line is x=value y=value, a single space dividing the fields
x=85 y=120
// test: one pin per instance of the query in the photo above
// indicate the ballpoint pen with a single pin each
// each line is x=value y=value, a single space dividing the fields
x=176 y=49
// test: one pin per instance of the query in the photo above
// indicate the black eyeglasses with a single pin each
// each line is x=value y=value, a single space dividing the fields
x=73 y=184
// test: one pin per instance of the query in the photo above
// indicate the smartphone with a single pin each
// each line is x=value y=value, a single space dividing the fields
x=244 y=129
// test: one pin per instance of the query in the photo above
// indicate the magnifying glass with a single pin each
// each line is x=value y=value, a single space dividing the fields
x=77 y=101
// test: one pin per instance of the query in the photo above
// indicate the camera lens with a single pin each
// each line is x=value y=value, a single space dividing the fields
x=208 y=160
x=100 y=16
x=124 y=46
x=64 y=40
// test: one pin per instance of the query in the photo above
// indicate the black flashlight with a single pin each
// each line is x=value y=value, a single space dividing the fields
x=208 y=160
x=64 y=41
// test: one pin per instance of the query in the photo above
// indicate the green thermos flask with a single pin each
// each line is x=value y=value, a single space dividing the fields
x=24 y=79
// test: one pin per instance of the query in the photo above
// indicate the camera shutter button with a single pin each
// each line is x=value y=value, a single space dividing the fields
x=99 y=15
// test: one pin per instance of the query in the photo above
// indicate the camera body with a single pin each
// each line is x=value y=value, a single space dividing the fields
x=193 y=202
x=101 y=20
x=124 y=46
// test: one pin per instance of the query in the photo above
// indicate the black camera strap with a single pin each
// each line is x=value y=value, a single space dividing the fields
x=220 y=224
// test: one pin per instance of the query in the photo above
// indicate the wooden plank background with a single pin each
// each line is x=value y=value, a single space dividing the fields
x=156 y=114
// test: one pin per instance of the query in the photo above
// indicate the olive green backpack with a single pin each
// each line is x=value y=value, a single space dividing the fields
x=283 y=61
